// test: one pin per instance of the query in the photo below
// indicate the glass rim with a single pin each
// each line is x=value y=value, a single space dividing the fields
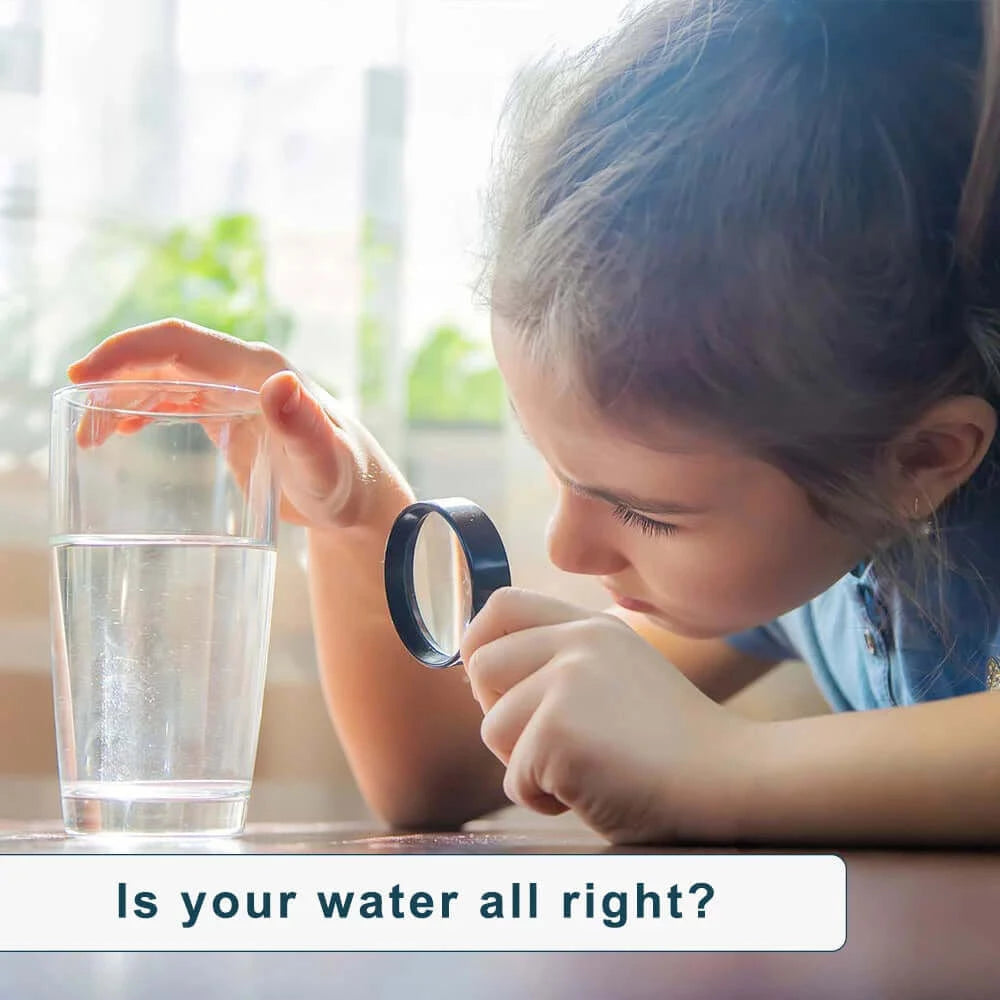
x=75 y=395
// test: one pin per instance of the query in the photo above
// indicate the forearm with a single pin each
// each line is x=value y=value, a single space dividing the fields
x=410 y=734
x=924 y=774
x=712 y=665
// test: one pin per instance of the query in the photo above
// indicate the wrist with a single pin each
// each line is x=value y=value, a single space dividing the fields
x=376 y=498
x=758 y=799
x=728 y=800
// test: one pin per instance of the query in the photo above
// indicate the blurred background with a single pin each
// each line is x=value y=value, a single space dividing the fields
x=309 y=173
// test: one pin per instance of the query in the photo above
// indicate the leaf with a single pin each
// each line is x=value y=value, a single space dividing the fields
x=213 y=275
x=453 y=380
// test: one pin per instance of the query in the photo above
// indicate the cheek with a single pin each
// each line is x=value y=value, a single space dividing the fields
x=733 y=579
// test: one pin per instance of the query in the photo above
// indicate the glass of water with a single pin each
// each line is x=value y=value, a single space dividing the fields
x=164 y=519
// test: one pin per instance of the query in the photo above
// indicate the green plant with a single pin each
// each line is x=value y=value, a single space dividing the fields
x=453 y=379
x=214 y=275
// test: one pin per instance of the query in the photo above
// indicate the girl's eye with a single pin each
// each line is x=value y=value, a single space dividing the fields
x=646 y=525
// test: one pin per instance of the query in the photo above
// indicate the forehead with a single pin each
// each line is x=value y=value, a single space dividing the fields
x=587 y=446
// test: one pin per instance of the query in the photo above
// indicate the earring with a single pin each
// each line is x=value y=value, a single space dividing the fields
x=928 y=526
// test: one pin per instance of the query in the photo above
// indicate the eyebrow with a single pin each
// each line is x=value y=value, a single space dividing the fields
x=643 y=504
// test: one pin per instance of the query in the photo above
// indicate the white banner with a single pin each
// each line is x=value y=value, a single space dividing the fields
x=344 y=902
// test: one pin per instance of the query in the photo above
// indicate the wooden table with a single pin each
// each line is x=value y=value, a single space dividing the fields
x=920 y=925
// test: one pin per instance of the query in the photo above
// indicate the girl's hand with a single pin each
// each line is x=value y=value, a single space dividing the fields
x=327 y=464
x=589 y=717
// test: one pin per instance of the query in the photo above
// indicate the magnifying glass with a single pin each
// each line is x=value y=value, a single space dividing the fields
x=443 y=559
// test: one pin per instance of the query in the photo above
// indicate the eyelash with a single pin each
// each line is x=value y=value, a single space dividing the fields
x=646 y=525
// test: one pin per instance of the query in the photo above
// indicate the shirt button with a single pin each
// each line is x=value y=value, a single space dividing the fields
x=869 y=642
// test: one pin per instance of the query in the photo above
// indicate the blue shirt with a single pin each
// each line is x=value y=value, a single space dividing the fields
x=871 y=646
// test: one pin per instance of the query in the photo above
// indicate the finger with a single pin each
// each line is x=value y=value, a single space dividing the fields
x=107 y=416
x=511 y=609
x=115 y=411
x=314 y=452
x=507 y=718
x=495 y=668
x=524 y=782
x=132 y=425
x=213 y=355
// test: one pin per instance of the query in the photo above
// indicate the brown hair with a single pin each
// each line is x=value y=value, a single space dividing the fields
x=774 y=217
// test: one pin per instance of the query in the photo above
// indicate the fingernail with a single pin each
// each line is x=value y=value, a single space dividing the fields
x=290 y=405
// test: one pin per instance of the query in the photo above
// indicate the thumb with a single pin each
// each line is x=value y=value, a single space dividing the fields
x=320 y=469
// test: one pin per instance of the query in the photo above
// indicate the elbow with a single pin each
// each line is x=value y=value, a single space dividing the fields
x=432 y=809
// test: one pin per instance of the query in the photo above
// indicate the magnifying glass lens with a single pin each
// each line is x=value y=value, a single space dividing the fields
x=441 y=583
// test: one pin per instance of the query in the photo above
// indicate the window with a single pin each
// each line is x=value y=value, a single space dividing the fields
x=309 y=172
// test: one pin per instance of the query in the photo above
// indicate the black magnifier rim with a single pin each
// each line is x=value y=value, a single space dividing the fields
x=484 y=555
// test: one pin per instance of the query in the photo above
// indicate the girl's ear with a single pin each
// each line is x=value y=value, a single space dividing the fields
x=935 y=455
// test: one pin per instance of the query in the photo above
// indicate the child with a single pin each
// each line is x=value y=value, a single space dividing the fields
x=744 y=288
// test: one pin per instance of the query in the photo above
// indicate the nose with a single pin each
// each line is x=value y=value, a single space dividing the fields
x=575 y=539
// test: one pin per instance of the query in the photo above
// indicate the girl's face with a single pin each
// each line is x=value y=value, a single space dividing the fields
x=702 y=538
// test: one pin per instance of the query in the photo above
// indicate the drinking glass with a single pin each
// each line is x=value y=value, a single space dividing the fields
x=164 y=515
